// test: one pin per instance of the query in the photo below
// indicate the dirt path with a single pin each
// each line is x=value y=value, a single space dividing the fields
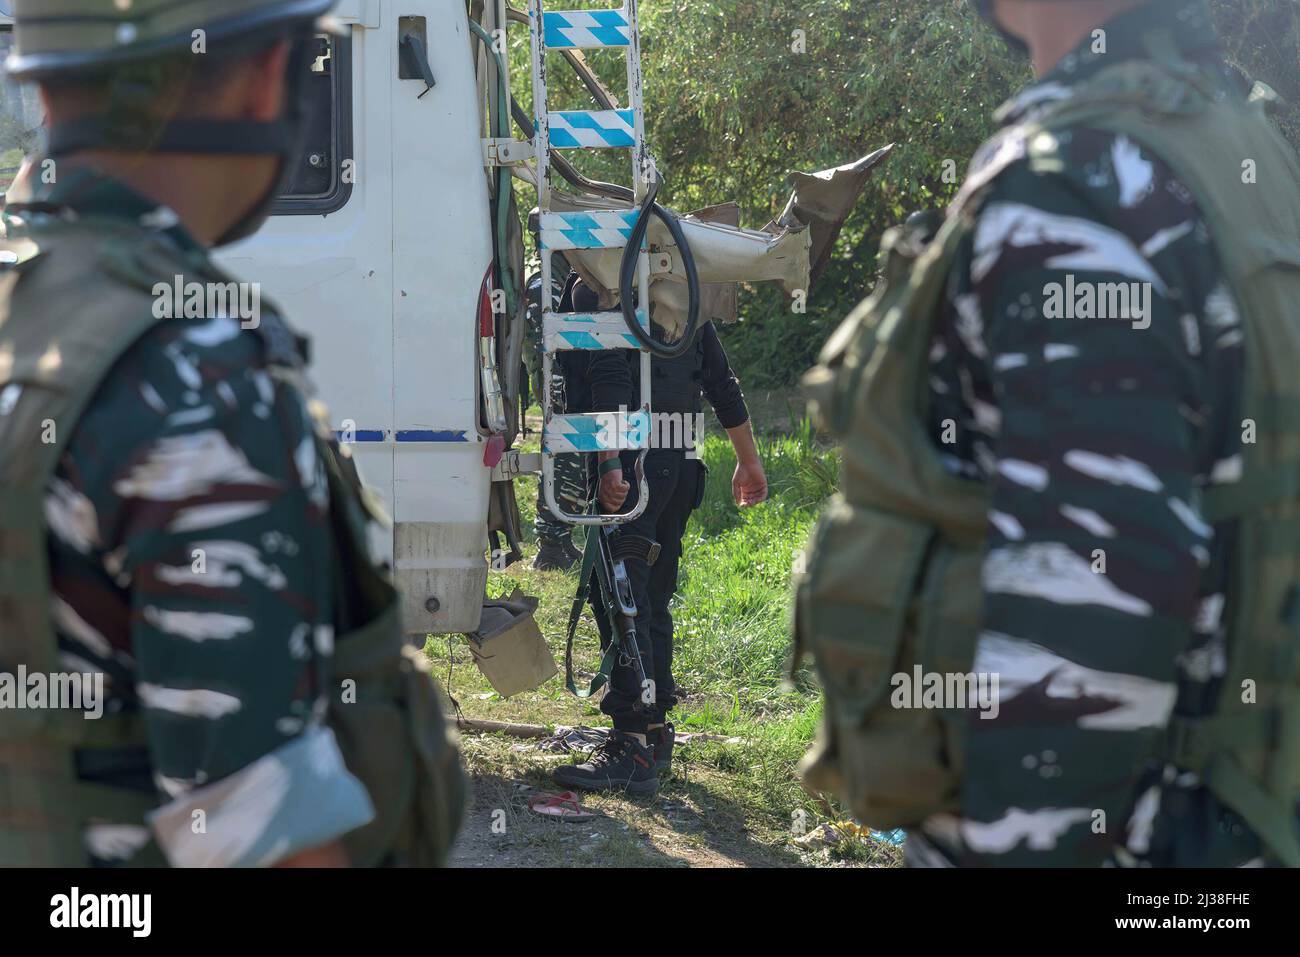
x=687 y=824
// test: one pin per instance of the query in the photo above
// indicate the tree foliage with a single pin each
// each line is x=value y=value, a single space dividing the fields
x=739 y=93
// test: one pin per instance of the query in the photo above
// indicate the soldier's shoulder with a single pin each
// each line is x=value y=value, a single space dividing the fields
x=1081 y=167
x=137 y=294
x=1018 y=157
x=185 y=382
x=69 y=269
x=193 y=366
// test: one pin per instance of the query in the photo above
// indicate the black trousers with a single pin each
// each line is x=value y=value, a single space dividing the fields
x=676 y=489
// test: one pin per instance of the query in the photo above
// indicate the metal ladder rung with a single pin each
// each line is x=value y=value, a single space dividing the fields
x=578 y=331
x=598 y=229
x=592 y=129
x=597 y=432
x=587 y=30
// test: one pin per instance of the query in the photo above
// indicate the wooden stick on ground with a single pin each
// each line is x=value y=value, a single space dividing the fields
x=479 y=726
x=504 y=727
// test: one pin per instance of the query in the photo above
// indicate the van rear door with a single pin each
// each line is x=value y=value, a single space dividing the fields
x=379 y=253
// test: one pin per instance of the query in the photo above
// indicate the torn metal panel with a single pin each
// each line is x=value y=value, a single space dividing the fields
x=723 y=254
x=792 y=250
x=509 y=648
x=823 y=201
x=719 y=301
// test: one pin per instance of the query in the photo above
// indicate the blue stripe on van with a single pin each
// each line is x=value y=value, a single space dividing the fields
x=409 y=435
x=363 y=435
x=429 y=435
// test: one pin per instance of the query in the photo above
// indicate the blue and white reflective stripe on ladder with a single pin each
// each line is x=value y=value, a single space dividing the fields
x=596 y=341
x=600 y=229
x=607 y=432
x=589 y=331
x=587 y=129
x=587 y=30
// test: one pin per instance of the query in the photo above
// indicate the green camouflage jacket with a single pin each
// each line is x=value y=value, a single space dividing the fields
x=191 y=563
x=1094 y=436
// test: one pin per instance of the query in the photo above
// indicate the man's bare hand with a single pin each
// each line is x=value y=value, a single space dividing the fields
x=749 y=484
x=613 y=491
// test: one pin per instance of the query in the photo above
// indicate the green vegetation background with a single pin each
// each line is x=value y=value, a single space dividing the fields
x=731 y=110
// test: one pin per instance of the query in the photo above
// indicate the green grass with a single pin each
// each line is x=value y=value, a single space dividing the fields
x=731 y=644
x=9 y=160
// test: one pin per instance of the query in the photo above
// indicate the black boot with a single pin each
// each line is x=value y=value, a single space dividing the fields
x=620 y=764
x=558 y=556
x=661 y=741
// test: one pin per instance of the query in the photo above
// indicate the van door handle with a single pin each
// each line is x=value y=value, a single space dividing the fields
x=415 y=62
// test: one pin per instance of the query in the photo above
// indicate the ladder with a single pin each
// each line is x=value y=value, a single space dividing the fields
x=590 y=433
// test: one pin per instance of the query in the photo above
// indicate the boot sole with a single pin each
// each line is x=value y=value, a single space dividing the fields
x=645 y=788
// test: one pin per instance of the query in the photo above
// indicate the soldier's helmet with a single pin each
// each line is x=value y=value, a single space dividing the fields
x=66 y=37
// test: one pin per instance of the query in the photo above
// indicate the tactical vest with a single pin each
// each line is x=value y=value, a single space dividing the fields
x=892 y=574
x=676 y=382
x=74 y=297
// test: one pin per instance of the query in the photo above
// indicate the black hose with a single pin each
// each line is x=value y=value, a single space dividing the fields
x=627 y=273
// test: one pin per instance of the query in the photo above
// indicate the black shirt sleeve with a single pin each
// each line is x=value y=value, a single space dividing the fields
x=609 y=378
x=606 y=375
x=719 y=383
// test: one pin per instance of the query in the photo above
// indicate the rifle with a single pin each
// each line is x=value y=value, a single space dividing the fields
x=603 y=559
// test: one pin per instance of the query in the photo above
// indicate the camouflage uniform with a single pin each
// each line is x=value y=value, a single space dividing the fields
x=1094 y=437
x=182 y=538
x=207 y=538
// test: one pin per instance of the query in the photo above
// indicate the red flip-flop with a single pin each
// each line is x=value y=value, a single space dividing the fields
x=564 y=806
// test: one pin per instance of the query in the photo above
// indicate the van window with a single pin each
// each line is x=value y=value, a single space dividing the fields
x=320 y=184
x=322 y=181
x=22 y=129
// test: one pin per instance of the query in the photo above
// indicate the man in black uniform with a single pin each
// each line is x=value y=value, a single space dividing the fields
x=640 y=747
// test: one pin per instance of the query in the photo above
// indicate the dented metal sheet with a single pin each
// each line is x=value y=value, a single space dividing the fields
x=792 y=250
x=823 y=201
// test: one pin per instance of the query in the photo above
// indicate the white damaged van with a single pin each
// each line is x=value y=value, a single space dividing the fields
x=389 y=249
